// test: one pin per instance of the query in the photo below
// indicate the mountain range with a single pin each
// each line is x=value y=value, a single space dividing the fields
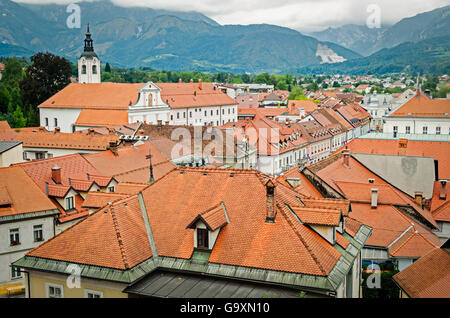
x=188 y=41
x=367 y=41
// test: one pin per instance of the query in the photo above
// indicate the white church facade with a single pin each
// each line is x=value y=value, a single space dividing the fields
x=91 y=103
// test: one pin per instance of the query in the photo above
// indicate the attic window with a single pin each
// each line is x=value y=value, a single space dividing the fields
x=202 y=238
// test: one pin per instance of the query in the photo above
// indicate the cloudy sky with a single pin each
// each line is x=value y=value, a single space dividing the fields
x=302 y=15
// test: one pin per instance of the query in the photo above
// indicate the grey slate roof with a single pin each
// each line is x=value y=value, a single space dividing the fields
x=407 y=173
x=7 y=145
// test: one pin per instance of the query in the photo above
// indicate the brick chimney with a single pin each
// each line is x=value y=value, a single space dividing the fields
x=346 y=154
x=200 y=83
x=56 y=174
x=443 y=192
x=179 y=81
x=418 y=198
x=191 y=81
x=113 y=146
x=374 y=198
x=270 y=201
x=402 y=146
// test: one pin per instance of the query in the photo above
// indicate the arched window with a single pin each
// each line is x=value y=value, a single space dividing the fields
x=94 y=69
x=83 y=69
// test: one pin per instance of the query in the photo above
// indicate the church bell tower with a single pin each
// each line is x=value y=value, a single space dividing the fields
x=89 y=63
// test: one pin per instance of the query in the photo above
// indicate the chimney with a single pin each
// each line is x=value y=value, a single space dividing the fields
x=374 y=198
x=442 y=192
x=200 y=83
x=270 y=201
x=346 y=154
x=418 y=198
x=179 y=81
x=191 y=81
x=402 y=146
x=56 y=174
x=113 y=146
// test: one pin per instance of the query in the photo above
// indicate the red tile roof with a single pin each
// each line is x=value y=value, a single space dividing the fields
x=423 y=106
x=115 y=237
x=131 y=163
x=318 y=216
x=428 y=277
x=121 y=226
x=119 y=96
x=100 y=199
x=19 y=194
x=102 y=118
x=57 y=140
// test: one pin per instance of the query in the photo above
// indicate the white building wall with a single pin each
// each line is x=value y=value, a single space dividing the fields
x=11 y=156
x=204 y=116
x=10 y=254
x=416 y=125
x=66 y=118
x=31 y=153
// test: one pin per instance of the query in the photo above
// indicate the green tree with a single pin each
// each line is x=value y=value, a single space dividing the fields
x=18 y=120
x=13 y=72
x=296 y=92
x=108 y=68
x=5 y=96
x=313 y=87
x=46 y=76
x=282 y=85
x=15 y=100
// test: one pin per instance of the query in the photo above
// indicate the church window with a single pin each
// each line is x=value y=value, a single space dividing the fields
x=178 y=115
x=46 y=121
x=56 y=122
x=94 y=69
x=83 y=69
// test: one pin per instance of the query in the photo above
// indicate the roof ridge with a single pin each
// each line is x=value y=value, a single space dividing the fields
x=119 y=237
x=305 y=244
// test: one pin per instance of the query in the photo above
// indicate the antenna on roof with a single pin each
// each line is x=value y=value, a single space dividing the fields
x=149 y=157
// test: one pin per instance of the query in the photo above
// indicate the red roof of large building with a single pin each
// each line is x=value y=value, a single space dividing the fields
x=423 y=106
x=119 y=96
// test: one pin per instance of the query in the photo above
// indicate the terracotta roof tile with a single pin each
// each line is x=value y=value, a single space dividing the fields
x=101 y=199
x=102 y=118
x=428 y=277
x=422 y=106
x=121 y=226
x=19 y=194
x=45 y=139
x=318 y=216
x=342 y=241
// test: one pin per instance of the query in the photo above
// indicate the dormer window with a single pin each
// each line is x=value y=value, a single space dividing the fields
x=207 y=226
x=70 y=203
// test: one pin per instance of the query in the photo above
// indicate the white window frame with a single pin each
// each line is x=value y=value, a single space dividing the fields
x=47 y=289
x=36 y=229
x=93 y=292
x=15 y=270
x=16 y=233
x=67 y=203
